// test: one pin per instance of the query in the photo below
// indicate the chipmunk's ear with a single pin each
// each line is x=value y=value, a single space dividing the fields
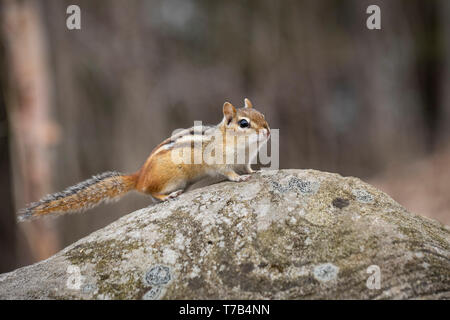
x=229 y=111
x=248 y=103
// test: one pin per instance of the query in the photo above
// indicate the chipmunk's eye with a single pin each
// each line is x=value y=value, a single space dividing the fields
x=243 y=123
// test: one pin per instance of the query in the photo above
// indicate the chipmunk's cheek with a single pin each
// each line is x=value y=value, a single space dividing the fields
x=264 y=135
x=254 y=138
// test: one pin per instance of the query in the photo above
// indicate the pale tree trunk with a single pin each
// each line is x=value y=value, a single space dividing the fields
x=28 y=105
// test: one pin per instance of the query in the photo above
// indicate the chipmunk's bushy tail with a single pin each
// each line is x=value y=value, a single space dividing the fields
x=104 y=187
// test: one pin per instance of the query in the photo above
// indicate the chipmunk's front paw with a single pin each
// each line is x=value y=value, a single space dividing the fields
x=243 y=178
x=166 y=197
x=233 y=176
x=174 y=194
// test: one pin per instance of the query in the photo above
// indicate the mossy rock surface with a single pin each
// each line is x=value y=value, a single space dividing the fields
x=287 y=234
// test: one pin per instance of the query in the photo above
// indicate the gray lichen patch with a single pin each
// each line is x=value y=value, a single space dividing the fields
x=154 y=293
x=326 y=272
x=363 y=196
x=158 y=275
x=292 y=183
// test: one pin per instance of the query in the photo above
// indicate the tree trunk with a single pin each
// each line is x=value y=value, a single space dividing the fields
x=29 y=105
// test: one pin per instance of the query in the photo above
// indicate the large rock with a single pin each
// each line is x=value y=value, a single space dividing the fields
x=290 y=234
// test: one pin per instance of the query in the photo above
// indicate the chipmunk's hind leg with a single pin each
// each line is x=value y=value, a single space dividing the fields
x=165 y=197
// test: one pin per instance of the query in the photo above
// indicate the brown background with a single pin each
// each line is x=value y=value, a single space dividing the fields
x=372 y=104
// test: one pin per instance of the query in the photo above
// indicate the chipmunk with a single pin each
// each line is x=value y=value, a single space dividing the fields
x=161 y=176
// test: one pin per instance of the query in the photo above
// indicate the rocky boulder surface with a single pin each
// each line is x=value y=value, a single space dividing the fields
x=287 y=234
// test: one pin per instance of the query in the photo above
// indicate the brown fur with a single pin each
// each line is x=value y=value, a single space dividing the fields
x=85 y=195
x=160 y=176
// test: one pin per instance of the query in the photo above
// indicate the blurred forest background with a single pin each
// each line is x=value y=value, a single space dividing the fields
x=73 y=103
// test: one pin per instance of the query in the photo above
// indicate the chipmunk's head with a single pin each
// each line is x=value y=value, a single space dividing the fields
x=245 y=121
